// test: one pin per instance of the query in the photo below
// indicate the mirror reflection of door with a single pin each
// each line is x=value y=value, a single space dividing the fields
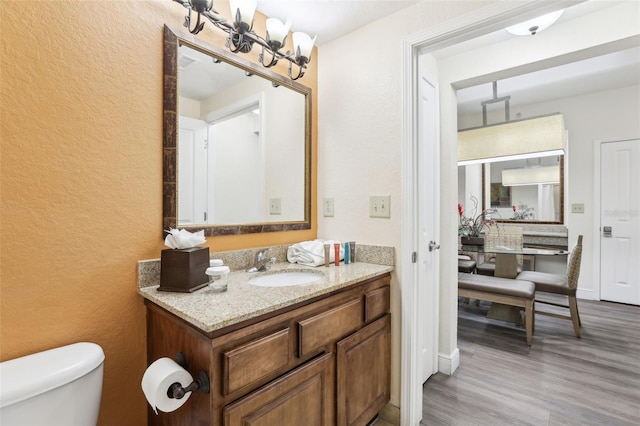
x=192 y=171
x=221 y=169
x=237 y=169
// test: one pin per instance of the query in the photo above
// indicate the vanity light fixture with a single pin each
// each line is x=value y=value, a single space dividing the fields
x=242 y=37
x=535 y=25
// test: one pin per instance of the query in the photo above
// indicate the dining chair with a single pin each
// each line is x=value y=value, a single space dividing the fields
x=562 y=284
x=466 y=260
x=497 y=238
x=466 y=264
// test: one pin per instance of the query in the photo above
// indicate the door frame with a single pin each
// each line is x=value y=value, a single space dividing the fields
x=597 y=157
x=488 y=19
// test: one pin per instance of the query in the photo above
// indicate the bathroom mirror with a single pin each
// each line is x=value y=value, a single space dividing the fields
x=237 y=143
x=534 y=186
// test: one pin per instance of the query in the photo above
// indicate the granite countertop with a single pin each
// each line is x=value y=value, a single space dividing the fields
x=210 y=311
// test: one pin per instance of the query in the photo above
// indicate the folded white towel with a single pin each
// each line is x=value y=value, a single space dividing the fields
x=311 y=253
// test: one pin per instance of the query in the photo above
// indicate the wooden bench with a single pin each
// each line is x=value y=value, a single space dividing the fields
x=501 y=290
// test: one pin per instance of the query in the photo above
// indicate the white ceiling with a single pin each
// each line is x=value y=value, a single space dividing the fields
x=331 y=19
x=607 y=72
x=612 y=71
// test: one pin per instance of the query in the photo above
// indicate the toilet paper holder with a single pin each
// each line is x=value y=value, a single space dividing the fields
x=177 y=391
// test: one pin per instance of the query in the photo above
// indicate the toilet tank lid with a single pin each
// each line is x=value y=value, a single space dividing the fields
x=30 y=375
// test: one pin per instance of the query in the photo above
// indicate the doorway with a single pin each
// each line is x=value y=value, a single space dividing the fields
x=484 y=21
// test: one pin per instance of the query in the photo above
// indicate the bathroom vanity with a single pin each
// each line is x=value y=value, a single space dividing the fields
x=315 y=354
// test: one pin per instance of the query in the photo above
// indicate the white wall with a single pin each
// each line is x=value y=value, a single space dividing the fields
x=282 y=129
x=284 y=126
x=360 y=130
x=360 y=134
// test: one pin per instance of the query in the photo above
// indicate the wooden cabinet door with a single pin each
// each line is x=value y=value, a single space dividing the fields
x=301 y=397
x=363 y=373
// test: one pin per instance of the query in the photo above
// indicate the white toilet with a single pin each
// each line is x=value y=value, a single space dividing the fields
x=61 y=386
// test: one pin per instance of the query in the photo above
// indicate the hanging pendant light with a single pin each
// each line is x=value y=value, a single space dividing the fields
x=535 y=137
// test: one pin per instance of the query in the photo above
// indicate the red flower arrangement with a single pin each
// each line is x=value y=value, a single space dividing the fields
x=473 y=225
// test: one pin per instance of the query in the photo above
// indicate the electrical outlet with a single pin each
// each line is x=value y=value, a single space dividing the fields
x=380 y=206
x=577 y=208
x=327 y=207
x=275 y=206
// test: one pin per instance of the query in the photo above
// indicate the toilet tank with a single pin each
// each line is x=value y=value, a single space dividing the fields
x=60 y=386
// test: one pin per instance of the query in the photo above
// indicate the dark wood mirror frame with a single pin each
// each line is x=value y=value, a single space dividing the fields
x=541 y=222
x=172 y=40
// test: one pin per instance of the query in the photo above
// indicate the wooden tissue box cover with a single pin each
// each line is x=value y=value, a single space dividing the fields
x=183 y=270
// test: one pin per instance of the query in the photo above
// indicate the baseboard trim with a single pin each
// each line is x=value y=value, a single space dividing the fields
x=390 y=413
x=448 y=363
x=587 y=294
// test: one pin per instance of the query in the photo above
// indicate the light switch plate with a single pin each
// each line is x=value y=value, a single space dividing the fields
x=327 y=207
x=275 y=206
x=379 y=206
x=577 y=208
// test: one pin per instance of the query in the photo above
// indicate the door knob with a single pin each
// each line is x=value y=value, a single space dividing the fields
x=433 y=246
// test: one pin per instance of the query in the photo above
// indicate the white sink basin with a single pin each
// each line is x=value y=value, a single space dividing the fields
x=286 y=278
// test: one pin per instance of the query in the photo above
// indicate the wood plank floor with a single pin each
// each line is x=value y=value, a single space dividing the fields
x=559 y=380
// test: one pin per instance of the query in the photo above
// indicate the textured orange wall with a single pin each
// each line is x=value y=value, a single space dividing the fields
x=81 y=172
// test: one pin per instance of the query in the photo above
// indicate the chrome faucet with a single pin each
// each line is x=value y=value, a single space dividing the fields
x=261 y=261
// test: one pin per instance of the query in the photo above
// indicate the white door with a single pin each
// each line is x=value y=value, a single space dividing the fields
x=238 y=171
x=428 y=227
x=192 y=172
x=620 y=221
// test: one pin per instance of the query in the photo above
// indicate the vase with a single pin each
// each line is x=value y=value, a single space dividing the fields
x=472 y=241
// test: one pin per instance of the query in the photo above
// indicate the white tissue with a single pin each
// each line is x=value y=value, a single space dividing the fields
x=183 y=239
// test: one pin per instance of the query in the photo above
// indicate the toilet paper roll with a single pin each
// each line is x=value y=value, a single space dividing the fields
x=157 y=379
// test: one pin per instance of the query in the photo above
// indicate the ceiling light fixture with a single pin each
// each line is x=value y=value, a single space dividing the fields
x=535 y=25
x=529 y=138
x=511 y=157
x=518 y=139
x=545 y=175
x=242 y=37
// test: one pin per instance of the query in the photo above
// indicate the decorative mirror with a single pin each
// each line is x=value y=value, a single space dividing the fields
x=237 y=143
x=525 y=191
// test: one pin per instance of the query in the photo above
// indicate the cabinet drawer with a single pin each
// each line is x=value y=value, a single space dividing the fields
x=301 y=397
x=252 y=361
x=376 y=303
x=321 y=329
